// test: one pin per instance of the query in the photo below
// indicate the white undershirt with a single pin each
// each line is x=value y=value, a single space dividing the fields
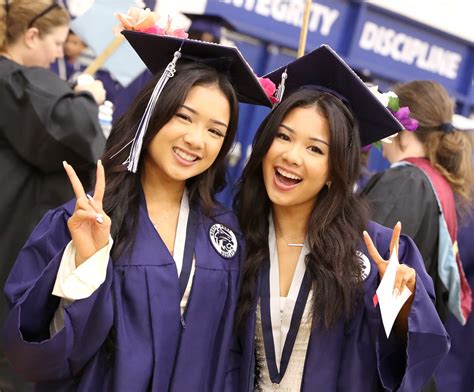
x=281 y=320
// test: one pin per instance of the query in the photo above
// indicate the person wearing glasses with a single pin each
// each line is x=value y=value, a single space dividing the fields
x=42 y=122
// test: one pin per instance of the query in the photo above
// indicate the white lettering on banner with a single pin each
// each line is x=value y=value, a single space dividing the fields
x=409 y=50
x=294 y=12
x=249 y=4
x=326 y=15
x=263 y=7
x=322 y=18
x=279 y=11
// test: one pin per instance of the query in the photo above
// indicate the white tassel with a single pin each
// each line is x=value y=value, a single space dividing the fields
x=281 y=87
x=135 y=151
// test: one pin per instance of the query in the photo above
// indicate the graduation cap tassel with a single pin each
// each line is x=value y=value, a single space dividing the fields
x=134 y=156
x=281 y=87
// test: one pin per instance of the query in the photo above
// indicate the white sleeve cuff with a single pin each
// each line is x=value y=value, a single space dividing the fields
x=77 y=283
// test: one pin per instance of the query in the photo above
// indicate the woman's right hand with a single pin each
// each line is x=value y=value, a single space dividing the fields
x=96 y=88
x=89 y=225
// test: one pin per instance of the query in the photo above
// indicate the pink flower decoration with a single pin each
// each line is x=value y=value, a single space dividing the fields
x=168 y=30
x=269 y=88
x=178 y=33
x=137 y=19
x=403 y=115
x=145 y=21
x=153 y=30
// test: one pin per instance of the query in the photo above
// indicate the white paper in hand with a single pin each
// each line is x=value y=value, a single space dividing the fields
x=390 y=304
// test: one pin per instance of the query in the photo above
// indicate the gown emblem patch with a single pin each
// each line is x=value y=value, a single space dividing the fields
x=365 y=265
x=223 y=240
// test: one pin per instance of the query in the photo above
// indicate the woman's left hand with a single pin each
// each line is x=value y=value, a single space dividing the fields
x=406 y=276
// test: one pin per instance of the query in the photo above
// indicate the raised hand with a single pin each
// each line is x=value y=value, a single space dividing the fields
x=406 y=276
x=96 y=88
x=89 y=225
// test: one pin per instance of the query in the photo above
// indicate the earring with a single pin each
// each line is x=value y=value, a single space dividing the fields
x=328 y=184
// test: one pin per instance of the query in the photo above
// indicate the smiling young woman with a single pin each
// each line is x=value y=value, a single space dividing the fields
x=135 y=287
x=306 y=318
x=190 y=142
x=298 y=159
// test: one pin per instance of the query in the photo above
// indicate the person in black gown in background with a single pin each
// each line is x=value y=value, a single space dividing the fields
x=428 y=183
x=42 y=123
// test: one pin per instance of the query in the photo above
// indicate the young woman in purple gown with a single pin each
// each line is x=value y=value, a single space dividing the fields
x=134 y=287
x=308 y=316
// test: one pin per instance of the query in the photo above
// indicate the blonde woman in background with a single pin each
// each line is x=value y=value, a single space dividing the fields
x=42 y=123
x=429 y=181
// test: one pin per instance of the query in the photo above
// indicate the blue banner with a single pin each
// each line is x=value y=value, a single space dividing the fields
x=471 y=79
x=399 y=49
x=279 y=21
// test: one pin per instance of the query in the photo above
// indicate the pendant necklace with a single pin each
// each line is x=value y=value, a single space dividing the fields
x=291 y=244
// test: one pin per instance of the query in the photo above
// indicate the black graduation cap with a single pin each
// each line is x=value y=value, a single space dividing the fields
x=157 y=51
x=325 y=68
x=161 y=53
x=210 y=23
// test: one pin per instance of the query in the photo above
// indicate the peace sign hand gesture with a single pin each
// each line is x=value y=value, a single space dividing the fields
x=406 y=276
x=89 y=225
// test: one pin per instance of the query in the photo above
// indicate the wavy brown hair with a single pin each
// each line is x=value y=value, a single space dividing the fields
x=123 y=187
x=448 y=151
x=336 y=222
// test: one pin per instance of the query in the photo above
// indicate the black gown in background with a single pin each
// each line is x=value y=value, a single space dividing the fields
x=404 y=194
x=42 y=123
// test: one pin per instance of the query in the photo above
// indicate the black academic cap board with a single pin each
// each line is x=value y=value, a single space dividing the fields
x=156 y=51
x=324 y=67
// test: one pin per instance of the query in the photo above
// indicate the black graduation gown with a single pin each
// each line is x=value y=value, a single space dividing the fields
x=404 y=193
x=42 y=123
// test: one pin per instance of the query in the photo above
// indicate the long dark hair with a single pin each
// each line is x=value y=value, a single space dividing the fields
x=336 y=222
x=122 y=187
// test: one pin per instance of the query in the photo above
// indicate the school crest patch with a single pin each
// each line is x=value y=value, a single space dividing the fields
x=365 y=265
x=223 y=240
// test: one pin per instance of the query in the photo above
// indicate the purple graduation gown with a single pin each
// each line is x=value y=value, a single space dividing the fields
x=154 y=348
x=356 y=356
